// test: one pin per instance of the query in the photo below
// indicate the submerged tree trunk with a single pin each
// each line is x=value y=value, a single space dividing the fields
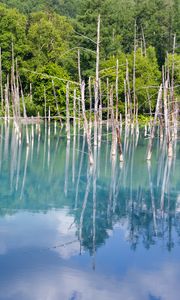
x=119 y=144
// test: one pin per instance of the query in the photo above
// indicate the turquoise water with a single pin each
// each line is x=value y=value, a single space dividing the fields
x=71 y=232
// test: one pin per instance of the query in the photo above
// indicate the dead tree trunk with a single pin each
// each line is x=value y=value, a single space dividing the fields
x=79 y=66
x=57 y=106
x=24 y=112
x=144 y=42
x=134 y=71
x=129 y=104
x=119 y=144
x=113 y=149
x=97 y=83
x=149 y=149
x=45 y=102
x=107 y=104
x=90 y=103
x=174 y=115
x=126 y=106
x=67 y=112
x=74 y=112
x=1 y=83
x=30 y=90
x=86 y=127
x=167 y=124
x=117 y=81
x=7 y=102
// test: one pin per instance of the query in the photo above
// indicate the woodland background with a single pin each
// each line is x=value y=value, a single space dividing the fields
x=47 y=34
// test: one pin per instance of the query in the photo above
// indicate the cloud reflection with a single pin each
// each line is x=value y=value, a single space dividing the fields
x=51 y=230
x=60 y=281
x=67 y=283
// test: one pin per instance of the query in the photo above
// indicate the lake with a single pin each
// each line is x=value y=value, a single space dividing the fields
x=68 y=231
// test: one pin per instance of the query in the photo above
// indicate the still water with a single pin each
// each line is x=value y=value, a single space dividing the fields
x=71 y=232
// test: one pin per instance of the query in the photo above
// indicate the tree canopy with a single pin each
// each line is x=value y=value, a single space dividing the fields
x=46 y=36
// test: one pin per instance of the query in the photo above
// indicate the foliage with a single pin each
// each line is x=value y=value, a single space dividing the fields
x=175 y=60
x=47 y=34
x=12 y=29
x=147 y=75
x=147 y=78
x=158 y=20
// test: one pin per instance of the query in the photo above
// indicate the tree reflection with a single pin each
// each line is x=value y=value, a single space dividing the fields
x=142 y=197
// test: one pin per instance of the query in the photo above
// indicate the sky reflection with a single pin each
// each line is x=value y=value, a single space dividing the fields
x=71 y=232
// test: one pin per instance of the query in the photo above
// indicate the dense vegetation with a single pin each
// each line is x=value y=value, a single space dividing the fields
x=47 y=34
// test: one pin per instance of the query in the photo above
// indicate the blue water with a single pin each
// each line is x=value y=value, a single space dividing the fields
x=68 y=231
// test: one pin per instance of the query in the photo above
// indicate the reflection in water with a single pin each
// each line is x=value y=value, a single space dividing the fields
x=145 y=194
x=52 y=201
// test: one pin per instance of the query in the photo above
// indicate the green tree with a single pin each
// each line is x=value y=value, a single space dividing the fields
x=47 y=36
x=147 y=76
x=12 y=29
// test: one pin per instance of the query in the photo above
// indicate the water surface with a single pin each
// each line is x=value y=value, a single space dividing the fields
x=68 y=231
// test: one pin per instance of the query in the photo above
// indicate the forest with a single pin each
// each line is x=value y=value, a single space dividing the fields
x=55 y=41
